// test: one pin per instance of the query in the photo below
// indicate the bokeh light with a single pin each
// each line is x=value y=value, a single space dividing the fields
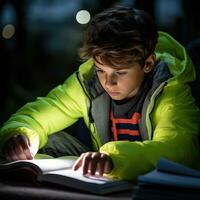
x=8 y=31
x=83 y=17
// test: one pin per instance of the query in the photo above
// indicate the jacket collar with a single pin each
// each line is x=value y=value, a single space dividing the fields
x=100 y=103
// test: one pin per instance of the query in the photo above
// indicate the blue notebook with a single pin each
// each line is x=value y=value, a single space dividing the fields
x=172 y=174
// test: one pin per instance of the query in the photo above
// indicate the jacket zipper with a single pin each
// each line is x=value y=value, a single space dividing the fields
x=150 y=108
x=91 y=120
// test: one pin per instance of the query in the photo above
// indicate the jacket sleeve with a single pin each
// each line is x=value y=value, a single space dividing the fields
x=47 y=115
x=175 y=123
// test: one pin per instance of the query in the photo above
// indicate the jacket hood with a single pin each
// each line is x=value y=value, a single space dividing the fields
x=177 y=59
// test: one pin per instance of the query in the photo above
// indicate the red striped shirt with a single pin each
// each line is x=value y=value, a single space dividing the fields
x=126 y=129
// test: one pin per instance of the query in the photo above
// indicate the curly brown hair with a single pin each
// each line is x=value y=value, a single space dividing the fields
x=120 y=36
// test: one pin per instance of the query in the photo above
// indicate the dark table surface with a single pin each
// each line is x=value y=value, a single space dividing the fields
x=22 y=190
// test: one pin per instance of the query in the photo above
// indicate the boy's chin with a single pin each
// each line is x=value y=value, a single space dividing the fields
x=117 y=98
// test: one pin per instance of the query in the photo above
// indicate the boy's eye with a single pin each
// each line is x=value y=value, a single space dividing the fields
x=99 y=71
x=121 y=72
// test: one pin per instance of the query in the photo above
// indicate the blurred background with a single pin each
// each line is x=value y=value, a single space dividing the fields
x=39 y=40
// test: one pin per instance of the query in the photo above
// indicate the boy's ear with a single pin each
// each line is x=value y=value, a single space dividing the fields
x=149 y=63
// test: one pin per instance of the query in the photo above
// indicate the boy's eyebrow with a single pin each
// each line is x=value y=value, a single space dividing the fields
x=116 y=68
x=97 y=67
x=96 y=64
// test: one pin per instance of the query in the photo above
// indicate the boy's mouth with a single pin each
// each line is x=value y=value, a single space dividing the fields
x=113 y=93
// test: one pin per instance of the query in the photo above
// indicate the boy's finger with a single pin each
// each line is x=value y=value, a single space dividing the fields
x=101 y=165
x=108 y=165
x=78 y=162
x=19 y=152
x=20 y=147
x=11 y=154
x=86 y=163
x=92 y=167
x=24 y=143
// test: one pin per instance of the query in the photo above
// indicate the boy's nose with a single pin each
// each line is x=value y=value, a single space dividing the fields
x=110 y=80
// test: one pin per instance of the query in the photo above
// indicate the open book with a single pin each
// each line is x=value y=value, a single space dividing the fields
x=58 y=171
x=172 y=174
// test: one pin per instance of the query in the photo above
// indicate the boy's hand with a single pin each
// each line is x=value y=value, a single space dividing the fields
x=94 y=163
x=17 y=148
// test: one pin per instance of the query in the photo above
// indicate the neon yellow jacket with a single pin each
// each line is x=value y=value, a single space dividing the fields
x=169 y=126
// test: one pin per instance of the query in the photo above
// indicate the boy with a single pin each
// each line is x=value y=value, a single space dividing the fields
x=133 y=94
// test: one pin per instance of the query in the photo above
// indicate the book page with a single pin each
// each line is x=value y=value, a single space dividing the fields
x=40 y=165
x=76 y=180
x=79 y=176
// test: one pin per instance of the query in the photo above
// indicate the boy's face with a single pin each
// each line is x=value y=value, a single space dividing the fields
x=121 y=83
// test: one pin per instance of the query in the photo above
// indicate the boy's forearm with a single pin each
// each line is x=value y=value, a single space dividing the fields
x=131 y=159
